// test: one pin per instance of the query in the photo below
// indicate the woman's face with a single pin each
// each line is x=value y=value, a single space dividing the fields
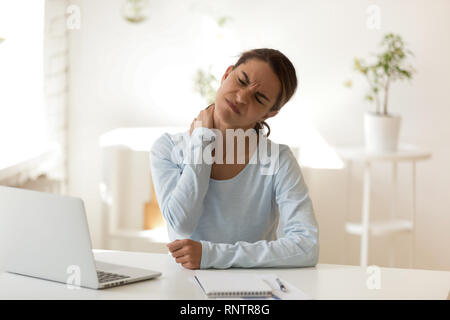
x=246 y=95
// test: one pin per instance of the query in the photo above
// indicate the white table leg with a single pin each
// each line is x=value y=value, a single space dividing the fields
x=411 y=254
x=348 y=205
x=393 y=214
x=365 y=216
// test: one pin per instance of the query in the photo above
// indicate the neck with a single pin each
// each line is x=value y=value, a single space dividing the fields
x=222 y=127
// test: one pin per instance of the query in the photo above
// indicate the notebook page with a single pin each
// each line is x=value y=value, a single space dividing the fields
x=225 y=284
x=292 y=293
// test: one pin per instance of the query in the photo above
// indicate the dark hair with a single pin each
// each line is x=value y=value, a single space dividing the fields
x=284 y=70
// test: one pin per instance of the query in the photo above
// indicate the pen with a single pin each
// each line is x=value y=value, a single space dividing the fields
x=282 y=287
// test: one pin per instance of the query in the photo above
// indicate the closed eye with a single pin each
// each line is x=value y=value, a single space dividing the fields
x=243 y=83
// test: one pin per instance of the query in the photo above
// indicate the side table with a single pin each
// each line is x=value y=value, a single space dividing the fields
x=405 y=153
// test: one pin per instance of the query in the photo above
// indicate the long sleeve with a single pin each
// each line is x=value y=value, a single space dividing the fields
x=298 y=247
x=181 y=180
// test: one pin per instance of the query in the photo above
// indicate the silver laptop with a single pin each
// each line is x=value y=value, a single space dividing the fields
x=46 y=236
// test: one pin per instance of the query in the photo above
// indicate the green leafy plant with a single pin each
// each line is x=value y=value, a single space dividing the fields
x=223 y=20
x=204 y=84
x=390 y=66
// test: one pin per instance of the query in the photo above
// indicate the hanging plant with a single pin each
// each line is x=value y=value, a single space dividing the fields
x=135 y=11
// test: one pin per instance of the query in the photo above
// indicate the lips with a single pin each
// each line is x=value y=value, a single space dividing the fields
x=232 y=106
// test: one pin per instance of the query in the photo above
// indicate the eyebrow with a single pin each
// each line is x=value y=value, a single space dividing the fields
x=258 y=93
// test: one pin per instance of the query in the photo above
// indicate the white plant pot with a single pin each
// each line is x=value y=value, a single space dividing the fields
x=381 y=132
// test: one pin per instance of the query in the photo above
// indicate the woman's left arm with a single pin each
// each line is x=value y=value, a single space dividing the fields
x=299 y=247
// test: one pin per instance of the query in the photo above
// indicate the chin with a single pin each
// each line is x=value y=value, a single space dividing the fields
x=223 y=111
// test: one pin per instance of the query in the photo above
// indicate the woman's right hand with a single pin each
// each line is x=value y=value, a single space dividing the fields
x=204 y=119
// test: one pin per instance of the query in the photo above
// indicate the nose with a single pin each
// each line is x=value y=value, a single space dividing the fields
x=242 y=95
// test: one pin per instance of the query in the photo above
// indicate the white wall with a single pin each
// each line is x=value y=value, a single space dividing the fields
x=140 y=75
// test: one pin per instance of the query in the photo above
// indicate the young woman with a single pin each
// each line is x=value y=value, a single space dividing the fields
x=223 y=214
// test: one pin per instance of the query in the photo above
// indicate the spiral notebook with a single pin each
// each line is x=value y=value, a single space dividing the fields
x=217 y=284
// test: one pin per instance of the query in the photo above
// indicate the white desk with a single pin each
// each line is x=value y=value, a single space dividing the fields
x=325 y=281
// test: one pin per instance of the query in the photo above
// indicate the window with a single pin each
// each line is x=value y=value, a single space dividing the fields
x=23 y=132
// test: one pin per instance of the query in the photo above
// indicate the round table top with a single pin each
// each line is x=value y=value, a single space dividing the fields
x=404 y=153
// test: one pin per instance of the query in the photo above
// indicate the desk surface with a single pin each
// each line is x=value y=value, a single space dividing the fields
x=325 y=281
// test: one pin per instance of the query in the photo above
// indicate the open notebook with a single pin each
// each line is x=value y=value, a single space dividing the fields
x=227 y=285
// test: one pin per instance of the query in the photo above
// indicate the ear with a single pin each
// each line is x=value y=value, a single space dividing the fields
x=270 y=114
x=227 y=72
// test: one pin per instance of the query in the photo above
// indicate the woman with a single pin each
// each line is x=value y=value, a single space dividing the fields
x=223 y=214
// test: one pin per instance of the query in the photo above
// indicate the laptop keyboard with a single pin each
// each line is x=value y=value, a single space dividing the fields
x=107 y=277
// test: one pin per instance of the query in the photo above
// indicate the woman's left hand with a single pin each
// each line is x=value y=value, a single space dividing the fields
x=187 y=252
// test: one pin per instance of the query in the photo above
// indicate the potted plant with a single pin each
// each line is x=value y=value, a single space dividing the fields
x=381 y=128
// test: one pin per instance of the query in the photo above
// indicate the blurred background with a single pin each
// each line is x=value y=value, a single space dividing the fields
x=87 y=86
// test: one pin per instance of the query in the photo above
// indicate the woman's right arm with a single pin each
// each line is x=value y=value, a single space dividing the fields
x=180 y=191
x=181 y=188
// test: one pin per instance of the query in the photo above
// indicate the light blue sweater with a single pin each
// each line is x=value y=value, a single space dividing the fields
x=235 y=220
